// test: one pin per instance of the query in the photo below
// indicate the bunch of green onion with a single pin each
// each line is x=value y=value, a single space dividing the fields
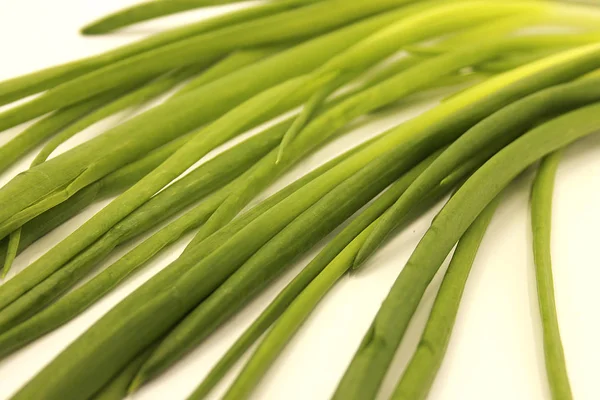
x=523 y=83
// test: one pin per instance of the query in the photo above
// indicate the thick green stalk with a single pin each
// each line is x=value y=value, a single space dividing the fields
x=34 y=135
x=107 y=347
x=490 y=135
x=108 y=186
x=31 y=290
x=165 y=122
x=20 y=87
x=280 y=28
x=405 y=83
x=297 y=301
x=154 y=9
x=117 y=388
x=365 y=373
x=541 y=221
x=137 y=97
x=74 y=303
x=228 y=65
x=427 y=359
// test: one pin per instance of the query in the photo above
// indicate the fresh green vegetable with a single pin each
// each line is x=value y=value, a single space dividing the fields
x=279 y=28
x=139 y=96
x=155 y=9
x=489 y=136
x=117 y=388
x=31 y=289
x=434 y=128
x=176 y=117
x=31 y=137
x=228 y=65
x=363 y=377
x=18 y=88
x=541 y=221
x=427 y=359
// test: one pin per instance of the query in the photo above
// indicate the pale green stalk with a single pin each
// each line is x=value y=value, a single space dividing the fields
x=541 y=221
x=420 y=373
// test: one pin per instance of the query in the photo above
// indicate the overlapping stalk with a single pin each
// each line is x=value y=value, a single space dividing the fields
x=246 y=68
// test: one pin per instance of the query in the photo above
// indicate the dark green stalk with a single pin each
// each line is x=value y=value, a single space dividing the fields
x=20 y=87
x=154 y=9
x=541 y=221
x=491 y=135
x=365 y=373
x=117 y=388
x=420 y=373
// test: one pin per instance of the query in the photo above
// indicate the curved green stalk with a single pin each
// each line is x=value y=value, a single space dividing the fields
x=139 y=96
x=385 y=42
x=420 y=373
x=541 y=221
x=496 y=131
x=108 y=347
x=165 y=122
x=280 y=28
x=17 y=304
x=20 y=87
x=31 y=137
x=366 y=372
x=154 y=9
x=300 y=297
x=228 y=65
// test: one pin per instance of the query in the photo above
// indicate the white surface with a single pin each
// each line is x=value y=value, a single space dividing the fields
x=495 y=352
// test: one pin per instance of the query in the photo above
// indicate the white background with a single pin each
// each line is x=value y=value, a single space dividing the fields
x=495 y=352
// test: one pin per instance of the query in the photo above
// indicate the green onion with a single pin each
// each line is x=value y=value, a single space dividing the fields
x=150 y=10
x=318 y=277
x=34 y=287
x=363 y=377
x=420 y=373
x=18 y=88
x=286 y=26
x=139 y=96
x=31 y=137
x=488 y=136
x=541 y=220
x=176 y=117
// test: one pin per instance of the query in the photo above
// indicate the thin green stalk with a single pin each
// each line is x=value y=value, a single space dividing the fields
x=74 y=303
x=117 y=388
x=31 y=137
x=422 y=369
x=405 y=83
x=280 y=28
x=323 y=259
x=20 y=87
x=490 y=135
x=541 y=221
x=26 y=294
x=154 y=9
x=11 y=252
x=385 y=42
x=108 y=347
x=228 y=65
x=108 y=186
x=366 y=372
x=139 y=96
x=165 y=122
